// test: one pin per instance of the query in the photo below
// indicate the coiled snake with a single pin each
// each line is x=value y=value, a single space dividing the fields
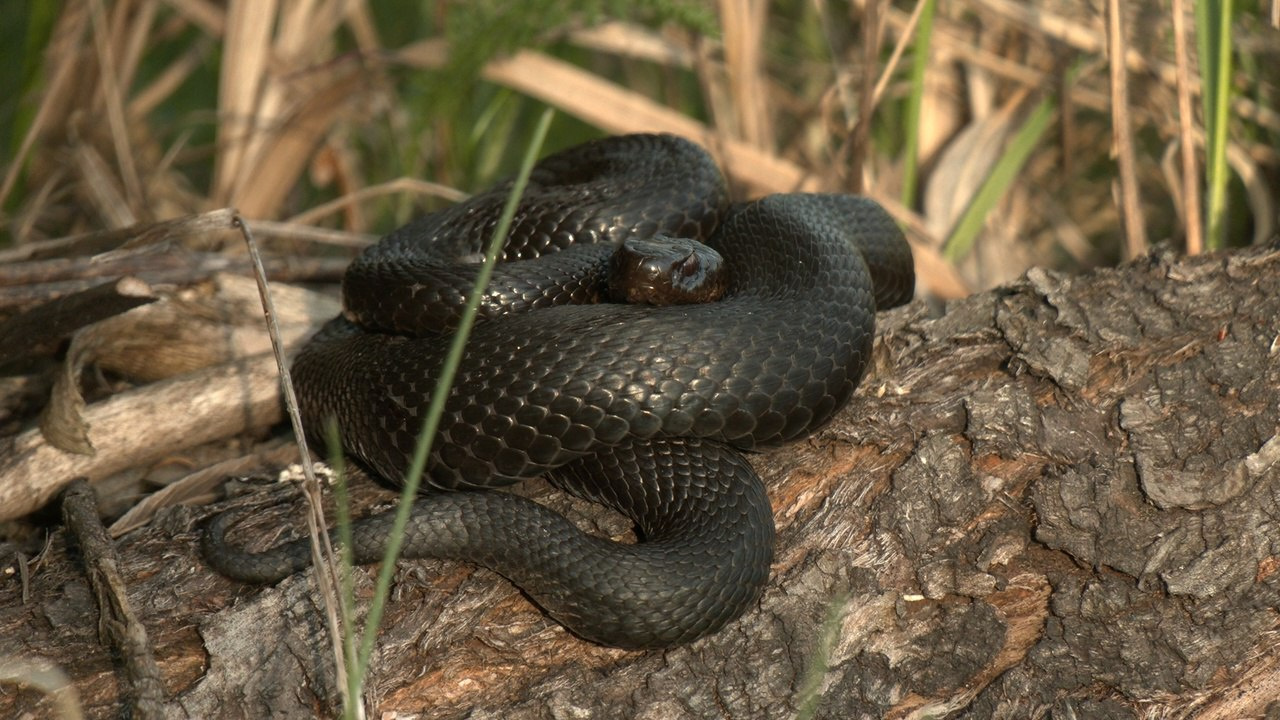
x=641 y=408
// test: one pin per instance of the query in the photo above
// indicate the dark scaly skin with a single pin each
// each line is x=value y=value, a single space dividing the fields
x=633 y=186
x=595 y=395
x=574 y=575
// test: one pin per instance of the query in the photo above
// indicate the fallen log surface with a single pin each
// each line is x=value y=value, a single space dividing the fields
x=1059 y=497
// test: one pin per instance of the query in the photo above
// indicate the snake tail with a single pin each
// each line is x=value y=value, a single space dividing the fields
x=689 y=574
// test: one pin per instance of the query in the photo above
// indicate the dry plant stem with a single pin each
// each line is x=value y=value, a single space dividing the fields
x=286 y=152
x=946 y=39
x=872 y=24
x=49 y=323
x=176 y=231
x=38 y=281
x=294 y=231
x=399 y=185
x=633 y=42
x=1135 y=230
x=246 y=40
x=322 y=555
x=117 y=620
x=1085 y=39
x=905 y=35
x=114 y=101
x=1191 y=211
x=63 y=77
x=744 y=22
x=99 y=186
x=616 y=109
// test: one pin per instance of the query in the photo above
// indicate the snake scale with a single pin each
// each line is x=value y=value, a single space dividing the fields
x=642 y=408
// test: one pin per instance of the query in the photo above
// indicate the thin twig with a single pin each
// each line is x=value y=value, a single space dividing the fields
x=743 y=24
x=904 y=40
x=1191 y=211
x=112 y=98
x=860 y=137
x=63 y=76
x=311 y=233
x=321 y=550
x=1135 y=230
x=403 y=184
x=121 y=626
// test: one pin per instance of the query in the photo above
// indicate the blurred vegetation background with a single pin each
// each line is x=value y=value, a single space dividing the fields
x=1001 y=134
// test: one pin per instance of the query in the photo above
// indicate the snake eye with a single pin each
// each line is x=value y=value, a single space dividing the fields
x=690 y=266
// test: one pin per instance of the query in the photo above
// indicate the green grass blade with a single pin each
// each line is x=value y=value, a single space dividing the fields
x=1002 y=175
x=346 y=589
x=413 y=478
x=820 y=658
x=919 y=62
x=1213 y=18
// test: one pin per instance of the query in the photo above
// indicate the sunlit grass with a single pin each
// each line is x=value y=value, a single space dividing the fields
x=380 y=116
x=997 y=183
x=1213 y=34
x=431 y=422
x=919 y=66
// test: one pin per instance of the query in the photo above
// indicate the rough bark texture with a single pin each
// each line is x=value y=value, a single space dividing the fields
x=1058 y=499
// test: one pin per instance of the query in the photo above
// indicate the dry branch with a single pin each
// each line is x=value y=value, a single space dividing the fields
x=54 y=320
x=139 y=427
x=120 y=625
x=220 y=383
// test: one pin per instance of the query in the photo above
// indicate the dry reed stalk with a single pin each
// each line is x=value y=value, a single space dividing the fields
x=99 y=188
x=1093 y=41
x=407 y=186
x=111 y=96
x=906 y=31
x=1190 y=195
x=860 y=134
x=743 y=25
x=52 y=110
x=245 y=53
x=279 y=95
x=633 y=42
x=1135 y=228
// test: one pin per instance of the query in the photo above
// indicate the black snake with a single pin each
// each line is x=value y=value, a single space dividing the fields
x=640 y=408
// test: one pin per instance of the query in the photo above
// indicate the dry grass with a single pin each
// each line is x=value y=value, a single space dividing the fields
x=146 y=110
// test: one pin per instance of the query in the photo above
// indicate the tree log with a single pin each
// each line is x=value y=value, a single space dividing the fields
x=1059 y=498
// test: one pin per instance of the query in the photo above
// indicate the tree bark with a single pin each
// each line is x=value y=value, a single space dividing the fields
x=1059 y=498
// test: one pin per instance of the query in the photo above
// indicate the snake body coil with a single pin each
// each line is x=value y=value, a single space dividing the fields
x=636 y=407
